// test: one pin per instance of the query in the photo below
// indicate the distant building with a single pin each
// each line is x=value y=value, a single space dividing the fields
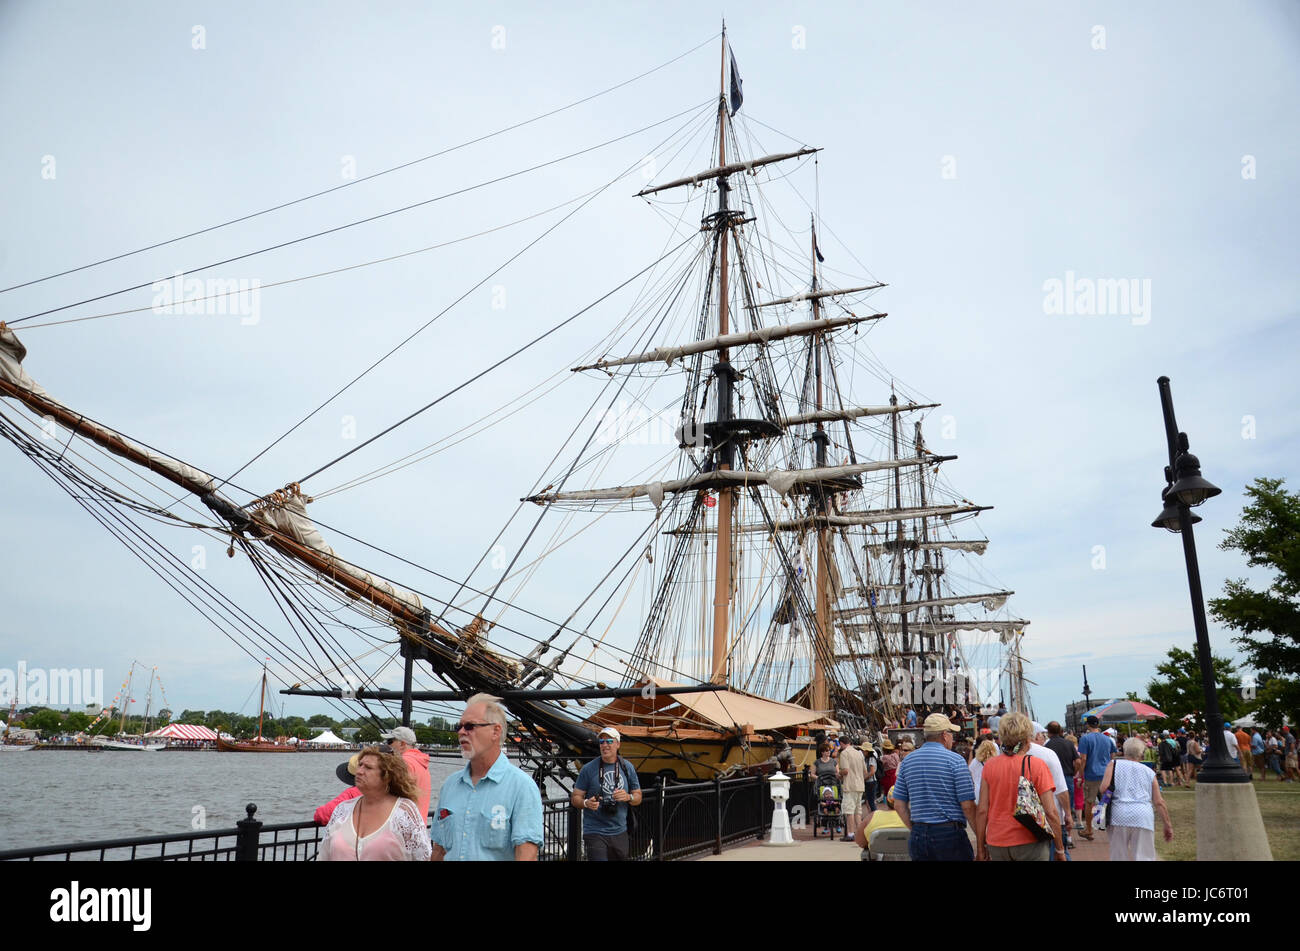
x=1074 y=716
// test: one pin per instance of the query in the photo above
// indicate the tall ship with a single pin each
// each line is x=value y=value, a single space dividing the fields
x=761 y=542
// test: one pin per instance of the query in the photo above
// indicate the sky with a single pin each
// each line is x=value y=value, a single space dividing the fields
x=976 y=158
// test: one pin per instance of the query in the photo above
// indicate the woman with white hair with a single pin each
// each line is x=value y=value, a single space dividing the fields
x=1134 y=801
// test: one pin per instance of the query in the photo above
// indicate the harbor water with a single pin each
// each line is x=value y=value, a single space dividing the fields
x=48 y=797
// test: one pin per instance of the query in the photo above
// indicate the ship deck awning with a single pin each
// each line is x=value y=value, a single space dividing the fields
x=724 y=709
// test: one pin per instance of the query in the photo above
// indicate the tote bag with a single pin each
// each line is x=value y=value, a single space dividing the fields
x=1029 y=808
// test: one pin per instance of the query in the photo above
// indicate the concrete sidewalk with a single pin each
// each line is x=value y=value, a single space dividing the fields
x=824 y=849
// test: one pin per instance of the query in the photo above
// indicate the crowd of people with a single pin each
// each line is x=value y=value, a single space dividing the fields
x=1016 y=791
x=1021 y=791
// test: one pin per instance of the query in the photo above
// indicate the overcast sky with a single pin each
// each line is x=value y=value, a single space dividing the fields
x=974 y=155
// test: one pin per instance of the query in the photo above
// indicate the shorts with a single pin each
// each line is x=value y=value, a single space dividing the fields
x=1245 y=759
x=1290 y=761
x=1091 y=789
x=852 y=801
x=1185 y=758
x=606 y=848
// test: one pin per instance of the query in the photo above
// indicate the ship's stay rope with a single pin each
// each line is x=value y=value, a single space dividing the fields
x=366 y=178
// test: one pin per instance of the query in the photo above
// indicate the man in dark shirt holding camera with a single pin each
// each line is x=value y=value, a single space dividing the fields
x=604 y=790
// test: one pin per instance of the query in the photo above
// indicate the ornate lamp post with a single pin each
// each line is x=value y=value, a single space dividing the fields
x=1228 y=820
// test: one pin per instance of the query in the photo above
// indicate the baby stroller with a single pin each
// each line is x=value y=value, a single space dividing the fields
x=828 y=814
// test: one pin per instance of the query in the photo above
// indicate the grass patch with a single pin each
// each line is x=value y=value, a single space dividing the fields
x=1279 y=806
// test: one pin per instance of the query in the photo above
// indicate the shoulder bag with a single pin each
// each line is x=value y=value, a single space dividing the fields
x=1029 y=808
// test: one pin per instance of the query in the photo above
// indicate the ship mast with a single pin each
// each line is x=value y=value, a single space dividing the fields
x=902 y=555
x=726 y=375
x=821 y=648
x=261 y=704
x=126 y=700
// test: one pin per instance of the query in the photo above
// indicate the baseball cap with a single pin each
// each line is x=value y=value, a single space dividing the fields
x=1092 y=721
x=403 y=733
x=937 y=723
x=1039 y=728
x=610 y=731
x=1111 y=732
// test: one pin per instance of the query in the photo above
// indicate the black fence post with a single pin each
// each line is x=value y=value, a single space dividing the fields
x=246 y=839
x=659 y=819
x=574 y=849
x=717 y=814
x=759 y=784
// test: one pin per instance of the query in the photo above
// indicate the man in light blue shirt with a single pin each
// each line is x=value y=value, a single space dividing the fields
x=490 y=810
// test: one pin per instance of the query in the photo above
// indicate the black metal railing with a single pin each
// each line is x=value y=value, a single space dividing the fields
x=672 y=822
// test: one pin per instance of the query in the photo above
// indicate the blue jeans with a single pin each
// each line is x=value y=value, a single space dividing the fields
x=947 y=842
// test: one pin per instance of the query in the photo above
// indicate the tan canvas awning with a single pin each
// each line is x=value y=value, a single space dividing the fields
x=726 y=709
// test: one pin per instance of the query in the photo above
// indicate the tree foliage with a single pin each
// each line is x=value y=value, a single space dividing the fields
x=1267 y=622
x=1177 y=689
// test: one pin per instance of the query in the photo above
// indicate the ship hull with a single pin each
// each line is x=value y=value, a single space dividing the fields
x=225 y=746
x=695 y=759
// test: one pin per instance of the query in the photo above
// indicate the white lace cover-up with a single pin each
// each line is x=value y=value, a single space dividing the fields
x=402 y=838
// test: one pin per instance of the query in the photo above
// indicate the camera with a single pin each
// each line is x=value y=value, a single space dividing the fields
x=608 y=806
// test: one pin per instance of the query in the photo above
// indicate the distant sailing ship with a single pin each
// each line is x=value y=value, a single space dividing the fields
x=794 y=550
x=257 y=744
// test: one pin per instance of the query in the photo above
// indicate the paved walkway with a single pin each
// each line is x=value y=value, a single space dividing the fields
x=824 y=849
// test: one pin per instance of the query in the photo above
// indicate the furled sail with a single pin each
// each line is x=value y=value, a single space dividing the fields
x=818 y=295
x=977 y=547
x=849 y=519
x=992 y=601
x=852 y=412
x=762 y=336
x=782 y=480
x=940 y=627
x=722 y=171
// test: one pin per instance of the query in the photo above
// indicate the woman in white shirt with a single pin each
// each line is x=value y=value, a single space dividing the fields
x=383 y=824
x=1134 y=802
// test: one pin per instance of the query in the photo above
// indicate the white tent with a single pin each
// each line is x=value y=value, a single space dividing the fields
x=328 y=739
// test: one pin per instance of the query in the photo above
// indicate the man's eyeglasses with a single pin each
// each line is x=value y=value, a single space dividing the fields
x=466 y=725
x=605 y=740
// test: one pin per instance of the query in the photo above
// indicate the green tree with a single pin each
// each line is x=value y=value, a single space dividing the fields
x=368 y=733
x=45 y=720
x=164 y=717
x=1278 y=699
x=193 y=717
x=1267 y=622
x=76 y=722
x=1177 y=690
x=321 y=719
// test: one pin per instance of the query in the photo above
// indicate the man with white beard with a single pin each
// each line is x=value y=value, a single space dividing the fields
x=490 y=810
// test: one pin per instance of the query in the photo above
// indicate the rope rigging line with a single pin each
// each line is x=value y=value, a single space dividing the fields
x=506 y=359
x=330 y=273
x=361 y=221
x=365 y=178
x=440 y=314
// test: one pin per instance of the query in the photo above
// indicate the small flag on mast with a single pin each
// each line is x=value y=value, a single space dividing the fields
x=737 y=97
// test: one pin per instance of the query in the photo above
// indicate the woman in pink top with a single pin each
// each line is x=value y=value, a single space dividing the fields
x=383 y=824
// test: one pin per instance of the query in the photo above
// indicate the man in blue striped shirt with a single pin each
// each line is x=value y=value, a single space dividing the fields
x=935 y=798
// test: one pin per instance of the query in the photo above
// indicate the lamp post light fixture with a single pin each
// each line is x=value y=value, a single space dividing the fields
x=1229 y=825
x=1184 y=489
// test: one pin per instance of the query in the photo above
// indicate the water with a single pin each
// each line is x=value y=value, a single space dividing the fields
x=52 y=798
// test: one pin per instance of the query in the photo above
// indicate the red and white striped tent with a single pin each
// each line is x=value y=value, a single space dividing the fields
x=184 y=731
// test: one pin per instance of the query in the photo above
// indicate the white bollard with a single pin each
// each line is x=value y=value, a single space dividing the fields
x=781 y=834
